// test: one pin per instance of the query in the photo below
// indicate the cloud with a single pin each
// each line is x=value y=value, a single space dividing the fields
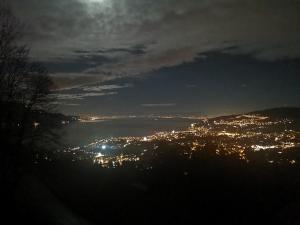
x=61 y=103
x=69 y=81
x=112 y=38
x=81 y=96
x=136 y=50
x=81 y=92
x=71 y=104
x=159 y=105
x=101 y=88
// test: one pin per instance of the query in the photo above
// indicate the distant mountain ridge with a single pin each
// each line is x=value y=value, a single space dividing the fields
x=282 y=112
x=292 y=113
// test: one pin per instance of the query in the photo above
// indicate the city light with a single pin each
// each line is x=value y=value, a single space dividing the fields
x=36 y=124
x=235 y=136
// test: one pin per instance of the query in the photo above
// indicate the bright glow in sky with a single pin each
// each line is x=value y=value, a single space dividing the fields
x=99 y=1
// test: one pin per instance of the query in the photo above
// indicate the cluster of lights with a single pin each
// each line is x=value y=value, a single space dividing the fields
x=234 y=136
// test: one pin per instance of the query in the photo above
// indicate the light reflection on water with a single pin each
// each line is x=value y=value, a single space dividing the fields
x=78 y=133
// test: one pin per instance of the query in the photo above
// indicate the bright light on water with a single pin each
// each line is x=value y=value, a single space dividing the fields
x=103 y=147
x=99 y=155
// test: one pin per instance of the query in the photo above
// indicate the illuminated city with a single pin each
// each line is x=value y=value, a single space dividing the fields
x=241 y=136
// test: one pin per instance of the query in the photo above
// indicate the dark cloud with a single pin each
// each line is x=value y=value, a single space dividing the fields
x=158 y=105
x=73 y=80
x=87 y=91
x=164 y=33
x=80 y=64
x=82 y=95
x=136 y=50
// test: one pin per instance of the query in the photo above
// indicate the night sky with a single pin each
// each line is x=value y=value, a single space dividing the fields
x=209 y=57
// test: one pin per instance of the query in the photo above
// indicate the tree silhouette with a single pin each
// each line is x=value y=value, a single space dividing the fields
x=24 y=94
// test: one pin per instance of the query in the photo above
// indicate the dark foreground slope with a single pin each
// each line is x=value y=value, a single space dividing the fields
x=210 y=191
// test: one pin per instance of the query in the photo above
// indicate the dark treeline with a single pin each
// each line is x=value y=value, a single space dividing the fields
x=24 y=103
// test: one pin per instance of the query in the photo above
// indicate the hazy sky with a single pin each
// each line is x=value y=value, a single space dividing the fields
x=167 y=56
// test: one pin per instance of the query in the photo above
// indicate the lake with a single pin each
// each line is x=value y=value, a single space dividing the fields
x=81 y=133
